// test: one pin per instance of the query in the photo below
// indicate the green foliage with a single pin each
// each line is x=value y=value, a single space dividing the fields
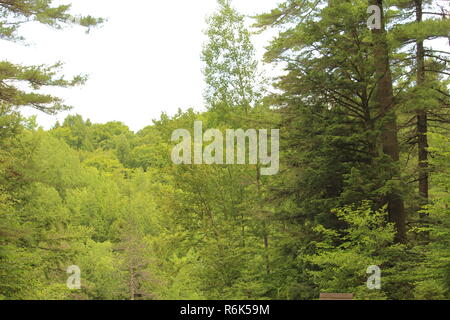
x=230 y=66
x=111 y=201
x=434 y=273
x=14 y=78
x=341 y=258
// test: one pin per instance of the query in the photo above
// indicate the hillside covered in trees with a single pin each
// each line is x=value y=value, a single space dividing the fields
x=363 y=180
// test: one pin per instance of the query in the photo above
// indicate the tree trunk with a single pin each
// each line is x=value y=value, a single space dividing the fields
x=422 y=117
x=385 y=101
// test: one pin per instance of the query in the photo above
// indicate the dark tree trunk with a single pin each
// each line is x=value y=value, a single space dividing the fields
x=422 y=117
x=385 y=101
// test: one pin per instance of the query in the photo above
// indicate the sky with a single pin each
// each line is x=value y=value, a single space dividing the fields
x=144 y=60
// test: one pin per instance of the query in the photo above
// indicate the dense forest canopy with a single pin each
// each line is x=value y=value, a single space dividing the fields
x=363 y=182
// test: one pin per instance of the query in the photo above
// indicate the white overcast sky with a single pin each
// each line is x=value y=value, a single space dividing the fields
x=144 y=60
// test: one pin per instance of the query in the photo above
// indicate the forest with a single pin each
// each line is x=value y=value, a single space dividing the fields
x=363 y=184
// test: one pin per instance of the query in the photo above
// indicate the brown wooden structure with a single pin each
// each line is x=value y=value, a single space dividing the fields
x=336 y=296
